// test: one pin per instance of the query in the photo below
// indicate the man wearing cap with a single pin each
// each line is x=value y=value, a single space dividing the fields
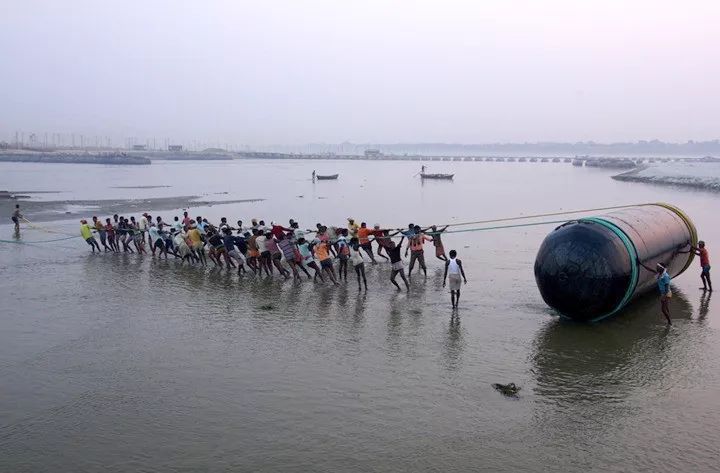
x=87 y=235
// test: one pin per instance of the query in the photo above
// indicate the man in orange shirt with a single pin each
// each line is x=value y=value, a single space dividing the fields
x=415 y=246
x=363 y=235
x=321 y=249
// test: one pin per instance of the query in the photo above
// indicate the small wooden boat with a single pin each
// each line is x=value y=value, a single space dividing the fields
x=329 y=177
x=436 y=176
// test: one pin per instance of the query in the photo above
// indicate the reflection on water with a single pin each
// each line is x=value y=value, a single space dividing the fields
x=606 y=361
x=704 y=304
x=453 y=345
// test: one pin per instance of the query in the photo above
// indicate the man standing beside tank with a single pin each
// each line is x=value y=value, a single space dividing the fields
x=663 y=282
x=702 y=252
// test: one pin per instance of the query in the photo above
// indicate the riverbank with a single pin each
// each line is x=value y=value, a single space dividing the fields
x=696 y=175
x=44 y=211
x=75 y=158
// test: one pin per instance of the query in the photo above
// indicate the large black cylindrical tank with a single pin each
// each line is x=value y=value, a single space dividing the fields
x=588 y=269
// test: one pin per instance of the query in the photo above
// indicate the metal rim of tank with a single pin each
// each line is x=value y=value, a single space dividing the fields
x=691 y=228
x=632 y=252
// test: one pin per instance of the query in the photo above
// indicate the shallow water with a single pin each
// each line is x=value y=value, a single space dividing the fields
x=119 y=363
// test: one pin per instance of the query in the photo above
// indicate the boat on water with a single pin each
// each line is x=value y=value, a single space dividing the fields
x=329 y=177
x=436 y=176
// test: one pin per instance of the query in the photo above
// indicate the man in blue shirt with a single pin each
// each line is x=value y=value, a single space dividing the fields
x=663 y=280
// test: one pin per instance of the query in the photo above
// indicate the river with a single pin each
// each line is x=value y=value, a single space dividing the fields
x=115 y=362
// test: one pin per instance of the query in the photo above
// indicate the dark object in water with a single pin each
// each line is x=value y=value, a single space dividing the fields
x=327 y=178
x=507 y=389
x=436 y=176
x=588 y=269
x=266 y=307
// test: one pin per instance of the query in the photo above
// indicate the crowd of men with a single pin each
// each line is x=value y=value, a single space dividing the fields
x=324 y=253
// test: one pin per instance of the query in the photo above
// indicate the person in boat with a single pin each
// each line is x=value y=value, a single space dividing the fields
x=393 y=250
x=415 y=247
x=454 y=268
x=313 y=175
x=422 y=169
x=437 y=242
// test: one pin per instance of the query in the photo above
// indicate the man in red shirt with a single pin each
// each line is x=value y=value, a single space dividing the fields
x=702 y=252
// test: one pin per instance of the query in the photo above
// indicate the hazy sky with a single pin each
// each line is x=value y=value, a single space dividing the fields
x=266 y=72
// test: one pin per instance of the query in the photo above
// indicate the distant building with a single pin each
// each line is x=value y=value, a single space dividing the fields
x=372 y=153
x=4 y=145
x=139 y=147
x=174 y=147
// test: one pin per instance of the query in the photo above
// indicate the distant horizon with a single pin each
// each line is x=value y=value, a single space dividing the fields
x=580 y=148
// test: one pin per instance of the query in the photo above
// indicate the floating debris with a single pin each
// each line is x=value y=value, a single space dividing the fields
x=506 y=389
x=267 y=307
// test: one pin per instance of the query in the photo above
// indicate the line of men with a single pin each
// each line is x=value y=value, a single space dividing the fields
x=264 y=248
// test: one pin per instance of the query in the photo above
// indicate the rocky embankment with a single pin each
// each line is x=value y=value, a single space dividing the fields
x=74 y=158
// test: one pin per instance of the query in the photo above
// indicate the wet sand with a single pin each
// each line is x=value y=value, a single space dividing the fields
x=44 y=211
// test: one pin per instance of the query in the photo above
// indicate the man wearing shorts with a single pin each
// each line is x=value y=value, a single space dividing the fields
x=87 y=235
x=322 y=254
x=275 y=255
x=415 y=246
x=358 y=263
x=100 y=229
x=363 y=236
x=307 y=258
x=156 y=241
x=454 y=268
x=393 y=251
x=702 y=252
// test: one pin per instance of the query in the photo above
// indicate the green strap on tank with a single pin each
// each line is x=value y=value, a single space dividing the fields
x=632 y=253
